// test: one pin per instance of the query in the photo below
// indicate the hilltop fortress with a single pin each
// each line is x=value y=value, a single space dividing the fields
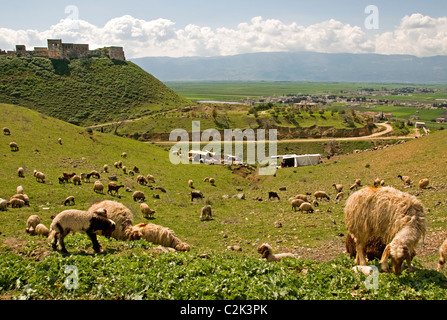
x=58 y=50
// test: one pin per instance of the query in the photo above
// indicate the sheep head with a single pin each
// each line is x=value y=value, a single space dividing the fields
x=101 y=223
x=398 y=253
x=265 y=250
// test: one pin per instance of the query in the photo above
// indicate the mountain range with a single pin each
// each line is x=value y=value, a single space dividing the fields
x=299 y=66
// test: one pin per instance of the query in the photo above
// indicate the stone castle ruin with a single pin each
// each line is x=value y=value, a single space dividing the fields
x=58 y=50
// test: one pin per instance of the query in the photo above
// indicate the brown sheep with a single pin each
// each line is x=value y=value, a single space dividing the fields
x=114 y=187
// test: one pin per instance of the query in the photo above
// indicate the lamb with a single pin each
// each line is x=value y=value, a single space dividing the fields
x=423 y=183
x=3 y=205
x=296 y=203
x=40 y=177
x=158 y=235
x=338 y=187
x=273 y=194
x=191 y=184
x=205 y=213
x=196 y=194
x=266 y=251
x=387 y=213
x=405 y=179
x=14 y=146
x=69 y=201
x=80 y=221
x=98 y=187
x=41 y=230
x=442 y=255
x=6 y=131
x=32 y=223
x=306 y=207
x=147 y=212
x=120 y=214
x=321 y=195
x=373 y=249
x=112 y=186
x=138 y=196
x=16 y=203
x=21 y=172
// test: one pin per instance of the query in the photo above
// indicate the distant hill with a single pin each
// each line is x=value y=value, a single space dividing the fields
x=302 y=66
x=84 y=91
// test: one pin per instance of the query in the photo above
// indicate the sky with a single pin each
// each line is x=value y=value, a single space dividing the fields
x=179 y=28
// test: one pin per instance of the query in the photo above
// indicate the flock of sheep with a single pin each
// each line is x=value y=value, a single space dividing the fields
x=382 y=222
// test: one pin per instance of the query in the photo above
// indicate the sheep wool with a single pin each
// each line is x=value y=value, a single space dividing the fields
x=120 y=214
x=3 y=205
x=158 y=235
x=396 y=217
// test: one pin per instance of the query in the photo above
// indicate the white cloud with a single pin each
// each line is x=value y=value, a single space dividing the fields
x=417 y=35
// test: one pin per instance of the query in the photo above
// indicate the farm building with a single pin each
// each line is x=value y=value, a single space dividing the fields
x=299 y=160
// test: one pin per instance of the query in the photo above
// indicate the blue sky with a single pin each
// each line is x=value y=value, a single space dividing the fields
x=204 y=27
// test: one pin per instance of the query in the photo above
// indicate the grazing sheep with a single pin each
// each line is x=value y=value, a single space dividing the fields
x=442 y=255
x=355 y=186
x=16 y=203
x=191 y=184
x=273 y=194
x=120 y=164
x=32 y=223
x=212 y=181
x=116 y=165
x=40 y=177
x=80 y=221
x=196 y=194
x=406 y=179
x=76 y=180
x=6 y=131
x=373 y=249
x=120 y=214
x=14 y=146
x=95 y=174
x=379 y=183
x=206 y=179
x=22 y=197
x=21 y=172
x=136 y=169
x=302 y=197
x=112 y=186
x=267 y=253
x=387 y=213
x=105 y=168
x=205 y=213
x=306 y=207
x=69 y=201
x=423 y=183
x=338 y=187
x=98 y=187
x=138 y=196
x=141 y=180
x=339 y=196
x=3 y=205
x=358 y=182
x=124 y=155
x=296 y=203
x=59 y=140
x=19 y=190
x=158 y=235
x=321 y=195
x=147 y=212
x=41 y=230
x=124 y=168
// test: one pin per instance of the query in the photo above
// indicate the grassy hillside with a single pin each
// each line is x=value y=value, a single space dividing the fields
x=84 y=91
x=29 y=269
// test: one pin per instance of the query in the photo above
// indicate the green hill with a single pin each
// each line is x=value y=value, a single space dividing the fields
x=29 y=269
x=84 y=91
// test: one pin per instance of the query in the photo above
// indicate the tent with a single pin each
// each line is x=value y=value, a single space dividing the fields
x=300 y=160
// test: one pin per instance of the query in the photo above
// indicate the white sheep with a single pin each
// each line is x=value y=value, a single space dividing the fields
x=69 y=201
x=14 y=146
x=80 y=221
x=390 y=214
x=3 y=205
x=306 y=207
x=147 y=212
x=266 y=251
x=32 y=223
x=41 y=230
x=296 y=203
x=321 y=195
x=16 y=203
x=338 y=187
x=212 y=181
x=423 y=183
x=339 y=196
x=158 y=235
x=19 y=190
x=105 y=168
x=40 y=177
x=406 y=179
x=138 y=196
x=302 y=197
x=205 y=213
x=76 y=180
x=21 y=172
x=442 y=255
x=191 y=183
x=98 y=187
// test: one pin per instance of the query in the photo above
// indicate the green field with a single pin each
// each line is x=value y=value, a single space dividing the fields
x=30 y=269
